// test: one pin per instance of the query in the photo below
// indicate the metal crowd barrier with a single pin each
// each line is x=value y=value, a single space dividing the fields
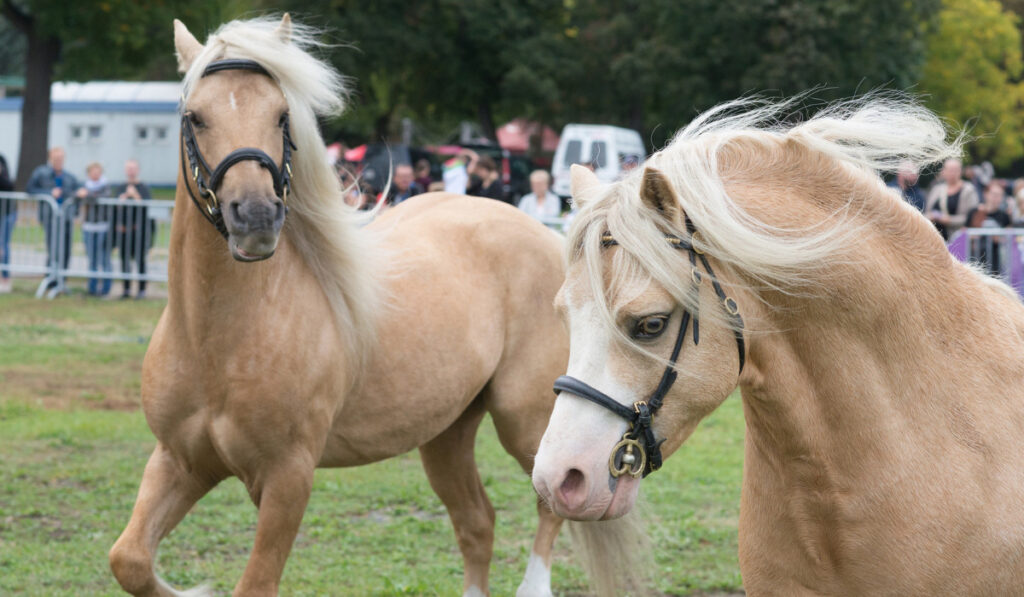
x=1000 y=251
x=103 y=241
x=559 y=224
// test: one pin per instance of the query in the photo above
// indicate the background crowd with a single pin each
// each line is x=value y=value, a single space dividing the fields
x=123 y=225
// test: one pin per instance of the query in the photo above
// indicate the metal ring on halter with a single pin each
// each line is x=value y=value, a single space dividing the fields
x=628 y=464
x=730 y=306
x=695 y=276
x=212 y=205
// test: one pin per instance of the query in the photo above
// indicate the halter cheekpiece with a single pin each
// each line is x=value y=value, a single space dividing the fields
x=198 y=168
x=638 y=453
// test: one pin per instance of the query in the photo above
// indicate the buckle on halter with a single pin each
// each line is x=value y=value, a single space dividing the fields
x=623 y=459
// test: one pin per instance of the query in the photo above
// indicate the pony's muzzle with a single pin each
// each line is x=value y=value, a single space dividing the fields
x=254 y=226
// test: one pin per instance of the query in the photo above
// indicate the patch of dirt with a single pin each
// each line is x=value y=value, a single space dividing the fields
x=385 y=515
x=66 y=390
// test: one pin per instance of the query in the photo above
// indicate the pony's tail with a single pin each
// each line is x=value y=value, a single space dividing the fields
x=613 y=554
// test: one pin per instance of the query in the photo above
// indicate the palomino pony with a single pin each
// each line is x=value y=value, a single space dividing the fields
x=882 y=381
x=314 y=342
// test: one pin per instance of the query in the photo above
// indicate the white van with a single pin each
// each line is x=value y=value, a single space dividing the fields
x=606 y=147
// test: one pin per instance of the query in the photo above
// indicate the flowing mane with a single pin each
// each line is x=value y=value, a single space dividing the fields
x=744 y=143
x=327 y=233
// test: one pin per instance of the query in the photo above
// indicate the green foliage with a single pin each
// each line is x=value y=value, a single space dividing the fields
x=973 y=76
x=121 y=39
x=657 y=63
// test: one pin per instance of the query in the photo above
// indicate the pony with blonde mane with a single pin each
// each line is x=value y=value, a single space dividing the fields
x=306 y=340
x=882 y=381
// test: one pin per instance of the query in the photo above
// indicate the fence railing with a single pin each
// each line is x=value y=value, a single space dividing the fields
x=999 y=250
x=79 y=239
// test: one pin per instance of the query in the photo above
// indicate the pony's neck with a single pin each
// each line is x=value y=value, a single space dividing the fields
x=205 y=284
x=854 y=388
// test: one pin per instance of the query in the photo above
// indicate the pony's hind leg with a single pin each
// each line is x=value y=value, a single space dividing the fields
x=166 y=494
x=451 y=468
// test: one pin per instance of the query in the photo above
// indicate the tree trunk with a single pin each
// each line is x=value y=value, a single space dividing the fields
x=636 y=116
x=486 y=120
x=382 y=127
x=35 y=109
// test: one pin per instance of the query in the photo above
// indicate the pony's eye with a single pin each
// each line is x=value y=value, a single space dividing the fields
x=650 y=327
x=195 y=120
x=283 y=120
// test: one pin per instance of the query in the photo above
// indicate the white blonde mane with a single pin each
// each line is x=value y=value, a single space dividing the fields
x=865 y=137
x=327 y=233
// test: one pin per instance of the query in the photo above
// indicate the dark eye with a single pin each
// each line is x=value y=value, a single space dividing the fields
x=283 y=120
x=650 y=327
x=195 y=120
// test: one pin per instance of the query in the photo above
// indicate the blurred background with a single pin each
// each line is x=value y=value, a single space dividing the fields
x=435 y=72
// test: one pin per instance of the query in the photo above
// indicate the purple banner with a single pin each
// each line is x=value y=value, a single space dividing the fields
x=958 y=246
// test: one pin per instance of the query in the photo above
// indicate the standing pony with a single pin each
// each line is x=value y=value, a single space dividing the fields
x=294 y=338
x=882 y=381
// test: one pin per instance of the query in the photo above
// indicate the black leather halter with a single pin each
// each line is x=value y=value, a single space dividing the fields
x=640 y=436
x=198 y=169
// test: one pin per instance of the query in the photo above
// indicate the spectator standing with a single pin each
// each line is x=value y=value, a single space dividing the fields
x=485 y=180
x=541 y=203
x=8 y=217
x=403 y=185
x=423 y=178
x=906 y=184
x=990 y=214
x=134 y=231
x=51 y=179
x=950 y=199
x=1017 y=203
x=96 y=227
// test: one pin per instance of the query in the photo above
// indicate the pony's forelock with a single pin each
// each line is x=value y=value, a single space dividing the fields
x=329 y=235
x=863 y=137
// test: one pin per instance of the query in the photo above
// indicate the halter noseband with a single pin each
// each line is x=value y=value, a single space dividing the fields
x=198 y=169
x=640 y=437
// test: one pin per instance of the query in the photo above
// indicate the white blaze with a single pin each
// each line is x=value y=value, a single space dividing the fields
x=231 y=98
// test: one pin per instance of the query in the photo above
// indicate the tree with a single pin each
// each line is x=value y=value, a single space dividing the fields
x=654 y=64
x=92 y=39
x=973 y=76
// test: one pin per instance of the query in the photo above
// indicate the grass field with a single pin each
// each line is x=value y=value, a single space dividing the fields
x=73 y=444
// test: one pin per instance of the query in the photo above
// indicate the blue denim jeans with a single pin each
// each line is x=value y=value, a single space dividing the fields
x=98 y=250
x=6 y=228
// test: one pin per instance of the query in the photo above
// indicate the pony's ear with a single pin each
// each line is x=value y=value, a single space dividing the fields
x=657 y=194
x=581 y=180
x=284 y=30
x=186 y=45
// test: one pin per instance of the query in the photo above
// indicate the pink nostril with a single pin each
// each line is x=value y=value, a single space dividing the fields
x=573 y=489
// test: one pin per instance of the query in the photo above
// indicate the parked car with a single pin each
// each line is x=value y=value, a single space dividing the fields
x=609 y=149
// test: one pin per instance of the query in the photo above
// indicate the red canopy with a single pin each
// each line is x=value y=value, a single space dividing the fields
x=515 y=136
x=356 y=154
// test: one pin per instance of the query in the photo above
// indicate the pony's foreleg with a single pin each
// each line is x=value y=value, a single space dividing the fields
x=537 y=581
x=166 y=494
x=451 y=468
x=281 y=492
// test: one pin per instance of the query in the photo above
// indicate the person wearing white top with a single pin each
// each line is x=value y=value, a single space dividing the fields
x=542 y=203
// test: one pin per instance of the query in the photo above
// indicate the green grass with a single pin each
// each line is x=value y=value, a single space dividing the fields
x=69 y=470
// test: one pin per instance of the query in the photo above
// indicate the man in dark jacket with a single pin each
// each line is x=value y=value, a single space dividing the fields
x=53 y=180
x=133 y=230
x=8 y=216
